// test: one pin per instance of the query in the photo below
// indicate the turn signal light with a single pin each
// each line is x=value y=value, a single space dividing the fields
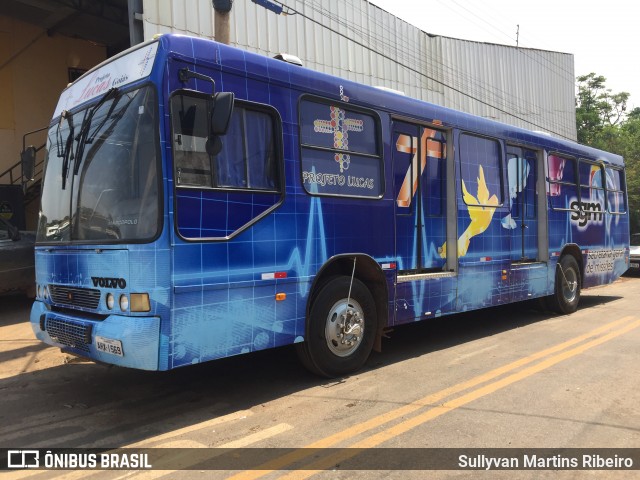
x=140 y=302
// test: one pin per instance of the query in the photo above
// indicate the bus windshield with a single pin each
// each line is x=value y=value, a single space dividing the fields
x=101 y=182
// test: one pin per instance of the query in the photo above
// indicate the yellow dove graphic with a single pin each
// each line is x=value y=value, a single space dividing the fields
x=480 y=210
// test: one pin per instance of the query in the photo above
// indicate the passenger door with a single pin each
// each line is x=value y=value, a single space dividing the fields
x=419 y=175
x=523 y=218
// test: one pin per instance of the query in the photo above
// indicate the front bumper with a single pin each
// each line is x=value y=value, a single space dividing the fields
x=140 y=336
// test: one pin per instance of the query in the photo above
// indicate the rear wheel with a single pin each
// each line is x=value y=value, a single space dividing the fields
x=341 y=328
x=567 y=291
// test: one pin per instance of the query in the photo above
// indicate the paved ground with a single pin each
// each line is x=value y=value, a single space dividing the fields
x=509 y=377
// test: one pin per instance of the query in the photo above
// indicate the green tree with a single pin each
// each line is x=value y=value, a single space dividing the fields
x=629 y=147
x=597 y=108
x=634 y=114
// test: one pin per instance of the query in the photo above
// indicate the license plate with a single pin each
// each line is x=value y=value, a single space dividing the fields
x=635 y=265
x=108 y=345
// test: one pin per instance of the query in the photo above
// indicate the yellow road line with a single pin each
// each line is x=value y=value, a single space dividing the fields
x=387 y=417
x=382 y=419
x=405 y=426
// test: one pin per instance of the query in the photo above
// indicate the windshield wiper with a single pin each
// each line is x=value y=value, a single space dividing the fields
x=68 y=143
x=86 y=124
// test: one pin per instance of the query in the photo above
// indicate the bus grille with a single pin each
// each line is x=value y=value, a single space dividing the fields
x=69 y=334
x=75 y=297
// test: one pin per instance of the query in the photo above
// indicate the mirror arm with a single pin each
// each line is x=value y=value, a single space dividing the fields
x=24 y=138
x=184 y=74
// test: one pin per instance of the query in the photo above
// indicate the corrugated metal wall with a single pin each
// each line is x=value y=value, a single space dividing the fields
x=356 y=40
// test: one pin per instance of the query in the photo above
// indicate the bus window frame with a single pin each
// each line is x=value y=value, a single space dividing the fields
x=581 y=185
x=277 y=137
x=537 y=151
x=623 y=173
x=576 y=183
x=379 y=145
x=443 y=178
x=501 y=166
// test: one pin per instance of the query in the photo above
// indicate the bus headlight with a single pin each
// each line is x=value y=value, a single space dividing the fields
x=124 y=303
x=45 y=293
x=111 y=301
x=140 y=302
x=39 y=292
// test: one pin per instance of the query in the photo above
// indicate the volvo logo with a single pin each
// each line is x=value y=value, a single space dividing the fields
x=104 y=282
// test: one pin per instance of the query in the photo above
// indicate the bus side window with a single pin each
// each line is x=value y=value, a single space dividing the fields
x=341 y=149
x=480 y=165
x=592 y=194
x=247 y=159
x=563 y=182
x=615 y=190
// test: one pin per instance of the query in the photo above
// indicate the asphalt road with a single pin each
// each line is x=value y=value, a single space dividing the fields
x=508 y=377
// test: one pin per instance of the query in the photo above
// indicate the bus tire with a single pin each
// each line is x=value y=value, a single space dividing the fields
x=567 y=290
x=339 y=339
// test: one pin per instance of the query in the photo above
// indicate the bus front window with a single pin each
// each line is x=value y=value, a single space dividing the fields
x=113 y=176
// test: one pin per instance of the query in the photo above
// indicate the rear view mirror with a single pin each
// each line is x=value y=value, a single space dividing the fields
x=221 y=114
x=28 y=157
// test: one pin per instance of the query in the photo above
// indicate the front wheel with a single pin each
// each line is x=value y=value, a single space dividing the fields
x=341 y=328
x=567 y=291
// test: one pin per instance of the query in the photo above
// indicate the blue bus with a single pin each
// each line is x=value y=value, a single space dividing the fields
x=201 y=201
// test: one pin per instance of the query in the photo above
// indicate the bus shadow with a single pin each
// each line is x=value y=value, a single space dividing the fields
x=421 y=338
x=82 y=404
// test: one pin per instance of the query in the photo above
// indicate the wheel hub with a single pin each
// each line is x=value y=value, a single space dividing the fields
x=344 y=328
x=570 y=286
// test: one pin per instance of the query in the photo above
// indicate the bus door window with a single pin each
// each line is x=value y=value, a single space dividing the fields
x=521 y=220
x=405 y=179
x=434 y=224
x=419 y=167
